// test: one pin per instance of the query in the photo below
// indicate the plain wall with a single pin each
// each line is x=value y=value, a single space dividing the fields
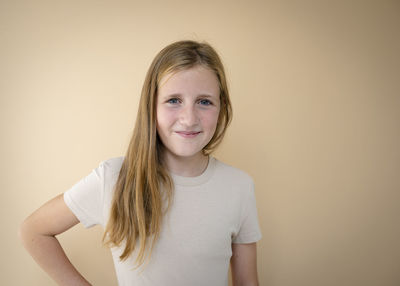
x=316 y=97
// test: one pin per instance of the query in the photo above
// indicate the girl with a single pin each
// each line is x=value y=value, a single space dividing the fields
x=172 y=213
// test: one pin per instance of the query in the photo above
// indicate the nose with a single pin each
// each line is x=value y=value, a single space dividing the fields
x=188 y=116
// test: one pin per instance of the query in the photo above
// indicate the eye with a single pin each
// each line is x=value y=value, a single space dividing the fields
x=205 y=102
x=173 y=100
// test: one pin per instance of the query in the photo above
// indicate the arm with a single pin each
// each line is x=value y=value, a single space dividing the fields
x=38 y=232
x=244 y=264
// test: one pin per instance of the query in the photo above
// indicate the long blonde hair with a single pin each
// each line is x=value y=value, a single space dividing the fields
x=137 y=204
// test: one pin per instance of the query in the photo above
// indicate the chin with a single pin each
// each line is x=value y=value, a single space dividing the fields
x=187 y=153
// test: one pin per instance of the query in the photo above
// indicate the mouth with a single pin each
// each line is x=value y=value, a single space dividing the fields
x=188 y=134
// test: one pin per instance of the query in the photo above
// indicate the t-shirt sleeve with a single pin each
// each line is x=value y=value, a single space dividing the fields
x=249 y=230
x=85 y=198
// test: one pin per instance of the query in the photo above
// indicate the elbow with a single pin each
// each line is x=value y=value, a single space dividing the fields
x=26 y=232
x=23 y=231
x=251 y=284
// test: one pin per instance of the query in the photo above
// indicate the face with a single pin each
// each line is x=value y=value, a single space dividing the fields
x=188 y=106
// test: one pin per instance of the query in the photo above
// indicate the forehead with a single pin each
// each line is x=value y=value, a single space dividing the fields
x=195 y=79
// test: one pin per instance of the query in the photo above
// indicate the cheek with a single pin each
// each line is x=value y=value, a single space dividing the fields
x=164 y=118
x=160 y=120
x=211 y=119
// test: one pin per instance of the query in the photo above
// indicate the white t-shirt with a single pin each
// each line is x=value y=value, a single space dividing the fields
x=209 y=213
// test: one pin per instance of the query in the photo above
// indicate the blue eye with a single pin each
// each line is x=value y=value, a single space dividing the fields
x=173 y=100
x=205 y=102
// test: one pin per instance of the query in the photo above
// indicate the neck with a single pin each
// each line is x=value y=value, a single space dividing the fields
x=192 y=166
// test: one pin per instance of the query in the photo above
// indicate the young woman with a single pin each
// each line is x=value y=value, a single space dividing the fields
x=172 y=213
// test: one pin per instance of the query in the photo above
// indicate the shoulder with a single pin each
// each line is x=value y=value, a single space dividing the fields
x=232 y=174
x=110 y=169
x=112 y=165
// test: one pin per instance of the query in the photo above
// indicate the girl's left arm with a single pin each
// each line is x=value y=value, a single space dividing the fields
x=244 y=264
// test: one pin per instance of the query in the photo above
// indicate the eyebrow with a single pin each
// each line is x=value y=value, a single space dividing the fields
x=200 y=95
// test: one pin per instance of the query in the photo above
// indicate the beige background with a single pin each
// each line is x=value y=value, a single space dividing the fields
x=316 y=95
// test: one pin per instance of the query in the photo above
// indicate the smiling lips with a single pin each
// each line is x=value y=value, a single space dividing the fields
x=188 y=134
